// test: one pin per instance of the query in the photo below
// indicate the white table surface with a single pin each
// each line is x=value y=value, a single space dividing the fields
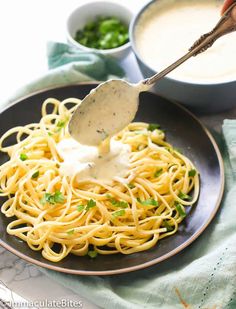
x=25 y=27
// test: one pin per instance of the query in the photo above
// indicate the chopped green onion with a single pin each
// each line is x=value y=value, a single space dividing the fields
x=158 y=172
x=70 y=232
x=184 y=196
x=192 y=173
x=118 y=213
x=147 y=202
x=35 y=175
x=92 y=253
x=167 y=226
x=180 y=209
x=50 y=134
x=153 y=126
x=23 y=157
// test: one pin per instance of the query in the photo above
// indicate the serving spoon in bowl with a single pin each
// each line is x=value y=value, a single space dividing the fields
x=112 y=105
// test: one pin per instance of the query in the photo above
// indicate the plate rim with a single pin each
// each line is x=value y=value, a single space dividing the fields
x=140 y=266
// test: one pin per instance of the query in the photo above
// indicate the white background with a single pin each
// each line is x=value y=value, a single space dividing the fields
x=25 y=27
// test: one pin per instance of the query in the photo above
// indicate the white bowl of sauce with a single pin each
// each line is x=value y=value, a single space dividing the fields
x=163 y=31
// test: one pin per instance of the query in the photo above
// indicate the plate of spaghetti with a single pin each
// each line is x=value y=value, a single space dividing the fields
x=66 y=207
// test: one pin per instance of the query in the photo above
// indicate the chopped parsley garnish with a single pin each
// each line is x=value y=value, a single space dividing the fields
x=35 y=175
x=80 y=207
x=91 y=203
x=153 y=126
x=118 y=213
x=181 y=210
x=70 y=232
x=184 y=196
x=92 y=253
x=103 y=33
x=192 y=173
x=56 y=198
x=50 y=134
x=158 y=172
x=148 y=202
x=131 y=186
x=23 y=156
x=120 y=204
x=61 y=124
x=167 y=226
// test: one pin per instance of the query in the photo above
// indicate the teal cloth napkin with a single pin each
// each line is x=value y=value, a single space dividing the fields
x=201 y=276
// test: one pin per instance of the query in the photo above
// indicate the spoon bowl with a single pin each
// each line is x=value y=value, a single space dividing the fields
x=105 y=111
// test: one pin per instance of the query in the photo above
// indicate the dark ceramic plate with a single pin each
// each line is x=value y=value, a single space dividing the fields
x=183 y=130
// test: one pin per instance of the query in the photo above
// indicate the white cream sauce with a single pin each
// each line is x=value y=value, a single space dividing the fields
x=105 y=111
x=86 y=163
x=168 y=29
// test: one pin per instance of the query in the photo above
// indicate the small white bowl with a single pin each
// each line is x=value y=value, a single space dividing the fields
x=89 y=12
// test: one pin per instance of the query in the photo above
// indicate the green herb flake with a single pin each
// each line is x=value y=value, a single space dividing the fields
x=131 y=186
x=103 y=33
x=153 y=126
x=35 y=175
x=80 y=207
x=148 y=202
x=58 y=197
x=192 y=173
x=92 y=254
x=168 y=227
x=50 y=134
x=61 y=124
x=184 y=196
x=91 y=203
x=118 y=213
x=23 y=156
x=181 y=210
x=120 y=204
x=71 y=232
x=55 y=198
x=158 y=172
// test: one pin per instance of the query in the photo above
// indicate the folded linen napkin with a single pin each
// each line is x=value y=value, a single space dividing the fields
x=201 y=276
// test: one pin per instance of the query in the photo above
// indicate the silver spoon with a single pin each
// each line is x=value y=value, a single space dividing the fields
x=112 y=105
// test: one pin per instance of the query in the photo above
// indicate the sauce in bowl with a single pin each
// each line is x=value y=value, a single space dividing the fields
x=167 y=29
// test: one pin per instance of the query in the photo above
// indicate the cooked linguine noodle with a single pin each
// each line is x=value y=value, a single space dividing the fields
x=57 y=214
